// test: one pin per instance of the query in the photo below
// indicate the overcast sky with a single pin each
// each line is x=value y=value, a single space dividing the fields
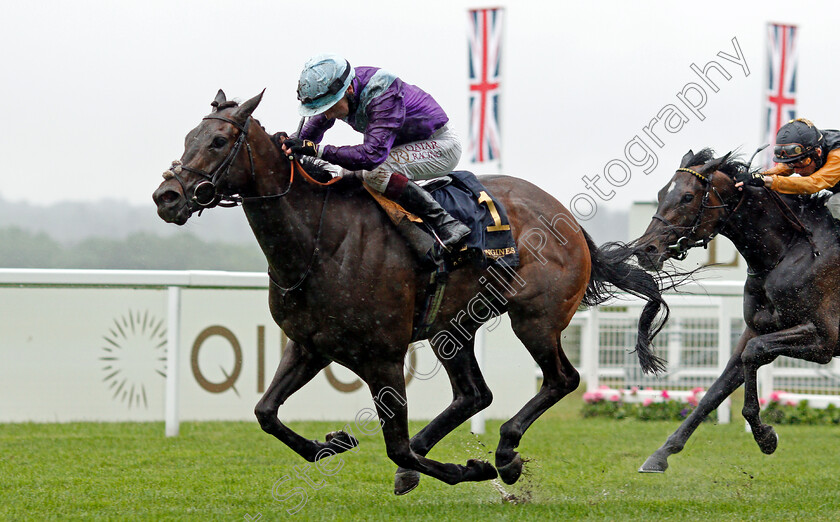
x=98 y=95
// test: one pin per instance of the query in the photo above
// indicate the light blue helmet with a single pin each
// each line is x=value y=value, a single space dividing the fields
x=323 y=81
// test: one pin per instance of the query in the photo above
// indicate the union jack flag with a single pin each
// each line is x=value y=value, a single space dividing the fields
x=484 y=36
x=780 y=97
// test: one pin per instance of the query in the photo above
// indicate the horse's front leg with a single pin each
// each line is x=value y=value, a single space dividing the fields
x=297 y=367
x=387 y=386
x=800 y=342
x=470 y=395
x=728 y=382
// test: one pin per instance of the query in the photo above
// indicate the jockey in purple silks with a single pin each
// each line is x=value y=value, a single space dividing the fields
x=406 y=136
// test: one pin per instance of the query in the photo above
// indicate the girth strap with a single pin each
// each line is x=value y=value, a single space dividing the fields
x=431 y=305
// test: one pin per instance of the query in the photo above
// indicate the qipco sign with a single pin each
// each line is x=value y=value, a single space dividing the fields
x=225 y=338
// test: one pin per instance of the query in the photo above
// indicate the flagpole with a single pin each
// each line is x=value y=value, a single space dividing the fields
x=501 y=98
x=765 y=106
x=487 y=100
x=781 y=64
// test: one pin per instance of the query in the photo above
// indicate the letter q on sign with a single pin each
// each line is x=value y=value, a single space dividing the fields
x=216 y=387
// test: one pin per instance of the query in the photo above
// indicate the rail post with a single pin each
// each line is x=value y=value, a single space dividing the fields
x=173 y=339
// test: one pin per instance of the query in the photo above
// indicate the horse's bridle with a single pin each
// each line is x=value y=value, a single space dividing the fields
x=683 y=245
x=205 y=193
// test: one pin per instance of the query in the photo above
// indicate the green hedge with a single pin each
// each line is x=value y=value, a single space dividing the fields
x=774 y=412
x=666 y=410
x=777 y=413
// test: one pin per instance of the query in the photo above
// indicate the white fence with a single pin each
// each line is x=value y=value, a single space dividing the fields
x=705 y=325
x=94 y=345
x=104 y=345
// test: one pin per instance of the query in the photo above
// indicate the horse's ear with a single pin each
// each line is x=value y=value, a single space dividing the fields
x=220 y=99
x=686 y=159
x=248 y=107
x=713 y=165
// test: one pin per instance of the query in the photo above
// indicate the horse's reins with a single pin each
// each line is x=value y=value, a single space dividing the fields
x=294 y=163
x=792 y=218
x=285 y=290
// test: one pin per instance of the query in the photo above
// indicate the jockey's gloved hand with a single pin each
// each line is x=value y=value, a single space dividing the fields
x=753 y=179
x=278 y=138
x=301 y=147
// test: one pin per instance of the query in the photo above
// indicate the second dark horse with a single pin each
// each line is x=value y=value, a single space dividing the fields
x=791 y=303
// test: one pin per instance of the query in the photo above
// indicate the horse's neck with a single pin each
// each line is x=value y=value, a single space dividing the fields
x=760 y=232
x=289 y=228
x=285 y=227
x=286 y=232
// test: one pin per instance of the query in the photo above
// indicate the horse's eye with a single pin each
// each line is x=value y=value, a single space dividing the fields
x=687 y=198
x=218 y=142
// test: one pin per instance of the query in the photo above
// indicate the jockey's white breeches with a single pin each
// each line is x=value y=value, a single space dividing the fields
x=418 y=160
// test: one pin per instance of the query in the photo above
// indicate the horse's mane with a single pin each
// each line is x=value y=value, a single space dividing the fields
x=732 y=166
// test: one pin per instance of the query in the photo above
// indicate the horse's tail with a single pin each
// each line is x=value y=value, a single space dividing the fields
x=612 y=270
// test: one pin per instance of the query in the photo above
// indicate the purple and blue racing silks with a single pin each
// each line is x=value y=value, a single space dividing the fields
x=387 y=111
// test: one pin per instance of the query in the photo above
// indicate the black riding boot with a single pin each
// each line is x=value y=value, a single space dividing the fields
x=417 y=201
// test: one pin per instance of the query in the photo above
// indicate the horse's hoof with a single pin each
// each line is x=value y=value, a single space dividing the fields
x=511 y=471
x=479 y=470
x=340 y=441
x=405 y=480
x=767 y=440
x=654 y=464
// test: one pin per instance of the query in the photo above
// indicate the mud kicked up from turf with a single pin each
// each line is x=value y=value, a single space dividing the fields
x=522 y=492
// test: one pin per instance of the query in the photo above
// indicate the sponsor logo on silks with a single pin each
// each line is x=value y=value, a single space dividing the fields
x=496 y=253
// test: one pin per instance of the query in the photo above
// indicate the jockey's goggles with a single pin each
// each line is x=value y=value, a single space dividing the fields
x=790 y=152
x=334 y=88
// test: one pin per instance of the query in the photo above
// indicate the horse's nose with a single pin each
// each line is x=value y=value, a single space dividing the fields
x=170 y=203
x=649 y=256
x=165 y=196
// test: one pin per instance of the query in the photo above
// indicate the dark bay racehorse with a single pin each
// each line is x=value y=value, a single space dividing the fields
x=345 y=288
x=791 y=297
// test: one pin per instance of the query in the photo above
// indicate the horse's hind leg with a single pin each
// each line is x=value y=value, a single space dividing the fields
x=297 y=367
x=800 y=342
x=559 y=379
x=387 y=386
x=731 y=378
x=470 y=395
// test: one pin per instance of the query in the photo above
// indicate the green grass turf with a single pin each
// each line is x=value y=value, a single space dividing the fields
x=578 y=469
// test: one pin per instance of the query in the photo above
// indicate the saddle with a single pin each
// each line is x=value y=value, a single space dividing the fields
x=490 y=241
x=467 y=200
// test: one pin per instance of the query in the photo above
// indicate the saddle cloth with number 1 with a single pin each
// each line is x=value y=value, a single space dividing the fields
x=462 y=195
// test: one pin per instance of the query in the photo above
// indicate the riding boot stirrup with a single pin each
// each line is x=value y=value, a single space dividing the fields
x=450 y=231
